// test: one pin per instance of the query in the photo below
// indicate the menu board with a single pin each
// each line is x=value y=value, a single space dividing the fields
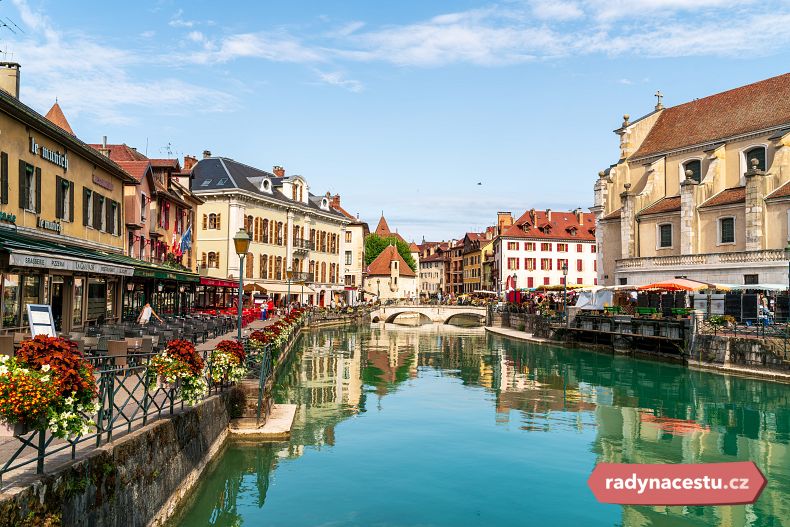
x=39 y=317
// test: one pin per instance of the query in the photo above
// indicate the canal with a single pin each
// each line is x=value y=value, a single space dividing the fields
x=441 y=426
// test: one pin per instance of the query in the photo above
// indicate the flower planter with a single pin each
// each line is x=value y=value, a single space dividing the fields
x=14 y=429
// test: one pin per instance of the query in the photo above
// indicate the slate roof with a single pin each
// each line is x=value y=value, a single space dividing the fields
x=381 y=265
x=222 y=173
x=758 y=106
x=728 y=196
x=664 y=205
x=55 y=114
x=561 y=226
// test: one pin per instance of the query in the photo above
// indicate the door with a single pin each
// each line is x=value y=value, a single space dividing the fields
x=56 y=299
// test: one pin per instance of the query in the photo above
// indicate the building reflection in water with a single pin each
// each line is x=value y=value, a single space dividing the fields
x=635 y=411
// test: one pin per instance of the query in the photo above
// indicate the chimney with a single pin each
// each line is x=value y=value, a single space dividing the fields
x=334 y=201
x=104 y=150
x=206 y=154
x=189 y=162
x=579 y=215
x=548 y=215
x=533 y=216
x=503 y=220
x=9 y=78
x=278 y=171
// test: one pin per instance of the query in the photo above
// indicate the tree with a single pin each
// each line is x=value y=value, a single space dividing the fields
x=374 y=244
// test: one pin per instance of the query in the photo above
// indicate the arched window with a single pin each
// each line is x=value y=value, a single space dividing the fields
x=213 y=260
x=203 y=261
x=757 y=153
x=278 y=266
x=695 y=165
x=311 y=269
x=296 y=232
x=249 y=264
x=323 y=272
x=212 y=221
x=265 y=236
x=279 y=233
x=263 y=265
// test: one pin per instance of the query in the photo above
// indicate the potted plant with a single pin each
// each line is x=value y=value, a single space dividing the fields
x=48 y=385
x=179 y=367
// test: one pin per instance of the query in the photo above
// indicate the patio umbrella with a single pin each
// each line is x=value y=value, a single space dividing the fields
x=677 y=284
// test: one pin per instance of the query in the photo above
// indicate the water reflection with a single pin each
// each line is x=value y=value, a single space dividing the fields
x=598 y=407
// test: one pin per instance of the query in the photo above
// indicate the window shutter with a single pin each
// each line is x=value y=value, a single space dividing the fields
x=22 y=185
x=71 y=201
x=203 y=260
x=96 y=211
x=218 y=225
x=58 y=197
x=108 y=215
x=205 y=221
x=38 y=190
x=4 y=178
x=86 y=199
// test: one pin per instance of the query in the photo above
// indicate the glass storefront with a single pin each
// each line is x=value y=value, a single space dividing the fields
x=10 y=300
x=76 y=302
x=31 y=291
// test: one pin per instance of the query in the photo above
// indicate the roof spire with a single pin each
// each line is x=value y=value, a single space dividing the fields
x=659 y=96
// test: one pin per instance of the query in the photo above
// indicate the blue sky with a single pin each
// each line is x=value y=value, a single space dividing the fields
x=398 y=106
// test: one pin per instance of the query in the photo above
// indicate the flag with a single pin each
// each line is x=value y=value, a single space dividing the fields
x=186 y=240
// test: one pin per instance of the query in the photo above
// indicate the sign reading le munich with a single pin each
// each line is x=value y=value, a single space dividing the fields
x=53 y=156
x=85 y=266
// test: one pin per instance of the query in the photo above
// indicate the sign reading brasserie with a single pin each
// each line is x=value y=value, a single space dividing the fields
x=85 y=266
x=55 y=157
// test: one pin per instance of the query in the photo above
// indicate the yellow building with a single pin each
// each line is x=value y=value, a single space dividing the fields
x=61 y=210
x=477 y=246
x=701 y=189
x=292 y=231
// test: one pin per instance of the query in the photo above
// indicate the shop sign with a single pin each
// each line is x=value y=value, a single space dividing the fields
x=85 y=266
x=56 y=157
x=103 y=183
x=53 y=226
x=8 y=217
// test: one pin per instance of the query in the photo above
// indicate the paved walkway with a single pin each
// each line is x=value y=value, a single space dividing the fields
x=130 y=388
x=518 y=335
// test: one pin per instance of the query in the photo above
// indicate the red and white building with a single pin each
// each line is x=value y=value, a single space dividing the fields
x=532 y=251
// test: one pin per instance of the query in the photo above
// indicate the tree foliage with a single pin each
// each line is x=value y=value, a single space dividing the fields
x=374 y=244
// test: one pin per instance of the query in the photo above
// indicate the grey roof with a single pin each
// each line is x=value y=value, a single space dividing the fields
x=222 y=173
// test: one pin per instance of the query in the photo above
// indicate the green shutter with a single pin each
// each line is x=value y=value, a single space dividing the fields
x=38 y=190
x=71 y=200
x=58 y=197
x=86 y=199
x=22 y=185
x=4 y=178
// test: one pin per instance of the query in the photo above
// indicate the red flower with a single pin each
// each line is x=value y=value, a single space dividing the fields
x=72 y=372
x=233 y=347
x=184 y=351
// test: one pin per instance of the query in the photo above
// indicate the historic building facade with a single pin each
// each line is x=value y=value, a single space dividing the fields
x=700 y=190
x=296 y=236
x=352 y=253
x=533 y=250
x=389 y=277
x=433 y=260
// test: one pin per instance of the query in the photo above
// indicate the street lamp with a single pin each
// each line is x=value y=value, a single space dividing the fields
x=565 y=291
x=242 y=243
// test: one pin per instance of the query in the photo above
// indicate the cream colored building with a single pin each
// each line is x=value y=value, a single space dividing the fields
x=352 y=253
x=700 y=190
x=389 y=277
x=291 y=230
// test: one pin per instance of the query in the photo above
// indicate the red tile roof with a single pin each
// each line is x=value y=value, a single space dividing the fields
x=758 y=106
x=781 y=192
x=436 y=257
x=122 y=152
x=381 y=265
x=614 y=215
x=728 y=196
x=166 y=163
x=413 y=247
x=561 y=226
x=136 y=169
x=383 y=230
x=667 y=204
x=56 y=117
x=344 y=212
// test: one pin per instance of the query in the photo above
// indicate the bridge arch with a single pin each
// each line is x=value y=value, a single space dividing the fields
x=456 y=317
x=422 y=317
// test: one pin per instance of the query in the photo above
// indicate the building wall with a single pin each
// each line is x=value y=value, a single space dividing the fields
x=588 y=257
x=81 y=172
x=387 y=289
x=352 y=274
x=431 y=276
x=648 y=234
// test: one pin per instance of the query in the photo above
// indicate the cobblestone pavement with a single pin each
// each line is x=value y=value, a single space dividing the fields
x=130 y=388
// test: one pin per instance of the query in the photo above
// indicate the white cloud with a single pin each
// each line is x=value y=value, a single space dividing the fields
x=275 y=47
x=617 y=9
x=335 y=78
x=196 y=36
x=91 y=78
x=556 y=10
x=178 y=20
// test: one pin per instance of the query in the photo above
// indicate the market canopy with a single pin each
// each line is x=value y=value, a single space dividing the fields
x=758 y=287
x=679 y=284
x=253 y=288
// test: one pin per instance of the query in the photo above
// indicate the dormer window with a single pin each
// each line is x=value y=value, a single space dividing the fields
x=325 y=204
x=266 y=186
x=695 y=166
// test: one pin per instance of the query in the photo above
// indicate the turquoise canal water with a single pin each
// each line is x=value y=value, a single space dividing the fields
x=435 y=426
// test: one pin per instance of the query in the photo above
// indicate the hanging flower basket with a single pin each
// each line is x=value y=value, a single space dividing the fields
x=228 y=362
x=48 y=385
x=181 y=368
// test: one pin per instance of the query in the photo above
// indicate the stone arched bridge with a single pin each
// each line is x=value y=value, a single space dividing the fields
x=439 y=314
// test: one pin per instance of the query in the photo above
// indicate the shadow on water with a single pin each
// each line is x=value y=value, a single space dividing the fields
x=420 y=414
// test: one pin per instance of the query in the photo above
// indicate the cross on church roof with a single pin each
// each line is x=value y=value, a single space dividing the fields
x=659 y=96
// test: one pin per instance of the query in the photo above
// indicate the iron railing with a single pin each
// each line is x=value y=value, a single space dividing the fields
x=301 y=244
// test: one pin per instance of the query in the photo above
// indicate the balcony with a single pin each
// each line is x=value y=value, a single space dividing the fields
x=301 y=245
x=296 y=277
x=686 y=260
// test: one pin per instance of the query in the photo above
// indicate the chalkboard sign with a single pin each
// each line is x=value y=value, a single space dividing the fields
x=39 y=317
x=749 y=307
x=732 y=305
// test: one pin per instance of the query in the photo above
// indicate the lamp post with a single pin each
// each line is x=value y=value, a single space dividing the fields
x=565 y=291
x=242 y=243
x=288 y=274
